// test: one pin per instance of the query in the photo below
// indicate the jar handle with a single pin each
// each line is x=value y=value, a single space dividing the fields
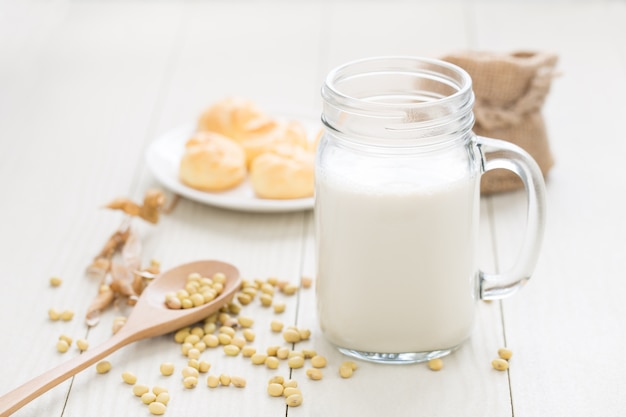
x=506 y=155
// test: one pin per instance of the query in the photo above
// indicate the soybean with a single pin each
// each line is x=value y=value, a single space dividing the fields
x=318 y=361
x=62 y=346
x=190 y=371
x=212 y=381
x=103 y=367
x=231 y=350
x=345 y=371
x=67 y=315
x=238 y=381
x=289 y=391
x=148 y=398
x=245 y=321
x=500 y=364
x=505 y=353
x=248 y=351
x=314 y=374
x=225 y=379
x=163 y=398
x=54 y=314
x=435 y=364
x=157 y=408
x=249 y=335
x=190 y=382
x=259 y=358
x=204 y=366
x=272 y=362
x=295 y=362
x=167 y=368
x=279 y=307
x=276 y=379
x=82 y=345
x=290 y=383
x=276 y=326
x=291 y=336
x=294 y=400
x=140 y=389
x=129 y=378
x=55 y=281
x=275 y=390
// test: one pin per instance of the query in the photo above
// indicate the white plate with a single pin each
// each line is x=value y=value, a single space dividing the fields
x=163 y=158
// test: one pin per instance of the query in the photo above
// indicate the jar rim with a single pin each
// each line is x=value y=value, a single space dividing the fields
x=400 y=100
x=390 y=64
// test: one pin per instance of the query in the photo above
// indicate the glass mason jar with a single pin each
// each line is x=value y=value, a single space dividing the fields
x=397 y=208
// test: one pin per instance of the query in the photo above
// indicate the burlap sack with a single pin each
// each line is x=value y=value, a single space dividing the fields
x=510 y=90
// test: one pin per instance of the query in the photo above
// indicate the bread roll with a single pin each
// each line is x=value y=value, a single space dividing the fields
x=285 y=172
x=284 y=133
x=235 y=118
x=212 y=162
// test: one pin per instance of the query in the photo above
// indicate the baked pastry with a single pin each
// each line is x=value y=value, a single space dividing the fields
x=235 y=118
x=284 y=133
x=285 y=172
x=212 y=162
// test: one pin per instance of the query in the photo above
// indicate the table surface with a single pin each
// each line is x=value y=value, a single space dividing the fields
x=86 y=86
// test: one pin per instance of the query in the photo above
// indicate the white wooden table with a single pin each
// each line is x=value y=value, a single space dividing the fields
x=85 y=86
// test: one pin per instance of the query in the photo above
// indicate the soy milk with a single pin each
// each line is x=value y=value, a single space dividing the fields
x=396 y=263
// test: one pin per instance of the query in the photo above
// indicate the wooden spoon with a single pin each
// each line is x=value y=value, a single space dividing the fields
x=150 y=317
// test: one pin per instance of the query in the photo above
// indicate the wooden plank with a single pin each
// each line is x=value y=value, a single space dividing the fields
x=72 y=133
x=568 y=318
x=405 y=390
x=220 y=51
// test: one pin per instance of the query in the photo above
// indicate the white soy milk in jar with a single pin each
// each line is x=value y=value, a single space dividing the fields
x=396 y=269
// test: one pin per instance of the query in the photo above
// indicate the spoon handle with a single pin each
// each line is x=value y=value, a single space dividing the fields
x=22 y=395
